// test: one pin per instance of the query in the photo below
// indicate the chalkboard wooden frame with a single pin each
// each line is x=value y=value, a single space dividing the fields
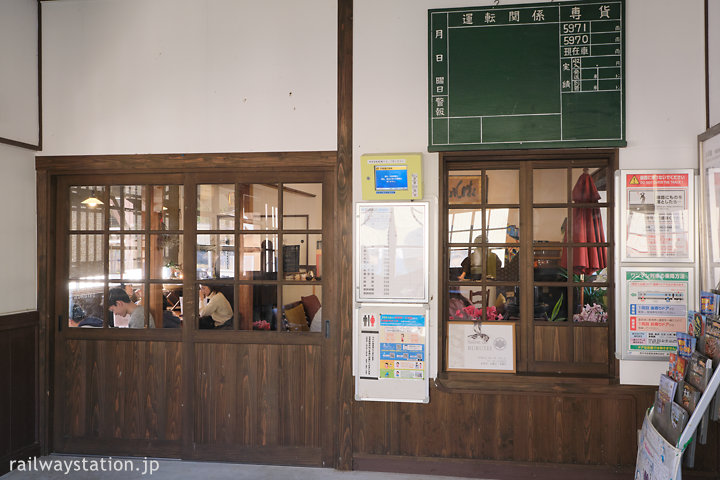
x=543 y=75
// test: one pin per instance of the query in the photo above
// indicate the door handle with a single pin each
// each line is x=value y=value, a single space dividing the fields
x=327 y=328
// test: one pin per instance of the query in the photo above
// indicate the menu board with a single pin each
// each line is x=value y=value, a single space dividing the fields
x=391 y=252
x=658 y=216
x=391 y=345
x=527 y=76
x=655 y=303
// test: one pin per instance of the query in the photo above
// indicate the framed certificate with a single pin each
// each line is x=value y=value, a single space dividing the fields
x=481 y=347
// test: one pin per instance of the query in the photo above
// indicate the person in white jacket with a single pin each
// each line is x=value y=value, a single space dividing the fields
x=215 y=310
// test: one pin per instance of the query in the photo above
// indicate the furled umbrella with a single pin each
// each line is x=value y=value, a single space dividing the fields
x=587 y=228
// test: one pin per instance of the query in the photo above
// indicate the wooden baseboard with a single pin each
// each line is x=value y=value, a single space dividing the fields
x=471 y=468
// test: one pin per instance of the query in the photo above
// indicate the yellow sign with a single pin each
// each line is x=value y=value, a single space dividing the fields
x=634 y=181
x=391 y=176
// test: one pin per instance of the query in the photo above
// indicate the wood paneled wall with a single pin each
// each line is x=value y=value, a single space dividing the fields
x=255 y=395
x=118 y=393
x=580 y=428
x=19 y=391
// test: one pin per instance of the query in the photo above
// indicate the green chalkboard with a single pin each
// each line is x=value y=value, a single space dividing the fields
x=527 y=76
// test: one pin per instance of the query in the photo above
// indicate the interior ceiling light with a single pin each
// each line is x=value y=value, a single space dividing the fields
x=92 y=200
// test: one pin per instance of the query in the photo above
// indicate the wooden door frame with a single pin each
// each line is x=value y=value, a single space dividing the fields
x=50 y=173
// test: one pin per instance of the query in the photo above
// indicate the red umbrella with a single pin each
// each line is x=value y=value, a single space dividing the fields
x=587 y=228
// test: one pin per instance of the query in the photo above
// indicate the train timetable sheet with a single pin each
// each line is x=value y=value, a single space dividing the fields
x=656 y=305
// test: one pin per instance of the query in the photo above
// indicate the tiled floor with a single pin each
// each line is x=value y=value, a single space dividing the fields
x=57 y=467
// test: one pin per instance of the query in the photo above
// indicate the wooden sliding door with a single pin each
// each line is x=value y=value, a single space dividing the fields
x=139 y=376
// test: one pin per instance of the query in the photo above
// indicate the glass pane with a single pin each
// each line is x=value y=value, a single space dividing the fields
x=168 y=202
x=547 y=264
x=86 y=304
x=165 y=304
x=216 y=306
x=300 y=256
x=464 y=187
x=127 y=207
x=302 y=206
x=258 y=307
x=302 y=307
x=457 y=255
x=471 y=267
x=127 y=257
x=157 y=306
x=508 y=302
x=88 y=215
x=588 y=226
x=172 y=300
x=259 y=206
x=509 y=270
x=86 y=257
x=500 y=222
x=550 y=185
x=216 y=207
x=590 y=304
x=549 y=224
x=215 y=256
x=464 y=225
x=589 y=189
x=503 y=186
x=258 y=256
x=126 y=302
x=550 y=304
x=166 y=253
x=477 y=304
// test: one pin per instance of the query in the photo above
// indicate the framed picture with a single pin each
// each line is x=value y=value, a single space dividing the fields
x=464 y=189
x=481 y=347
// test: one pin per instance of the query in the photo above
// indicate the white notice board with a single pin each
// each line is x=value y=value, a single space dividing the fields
x=391 y=261
x=654 y=306
x=657 y=216
x=391 y=346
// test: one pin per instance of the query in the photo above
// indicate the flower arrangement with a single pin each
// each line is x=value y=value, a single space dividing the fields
x=471 y=312
x=594 y=314
x=261 y=325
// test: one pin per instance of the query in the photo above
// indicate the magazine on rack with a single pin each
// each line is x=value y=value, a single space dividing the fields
x=678 y=419
x=686 y=344
x=677 y=367
x=663 y=400
x=709 y=303
x=699 y=371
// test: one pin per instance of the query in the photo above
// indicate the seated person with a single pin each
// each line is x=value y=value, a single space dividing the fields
x=80 y=319
x=472 y=264
x=169 y=319
x=215 y=310
x=120 y=304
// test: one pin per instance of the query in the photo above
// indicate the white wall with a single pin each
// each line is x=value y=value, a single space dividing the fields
x=665 y=94
x=19 y=67
x=18 y=217
x=19 y=122
x=161 y=76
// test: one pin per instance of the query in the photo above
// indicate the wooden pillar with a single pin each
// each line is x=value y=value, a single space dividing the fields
x=343 y=202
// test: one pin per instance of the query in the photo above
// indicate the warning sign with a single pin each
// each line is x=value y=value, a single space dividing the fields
x=658 y=180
